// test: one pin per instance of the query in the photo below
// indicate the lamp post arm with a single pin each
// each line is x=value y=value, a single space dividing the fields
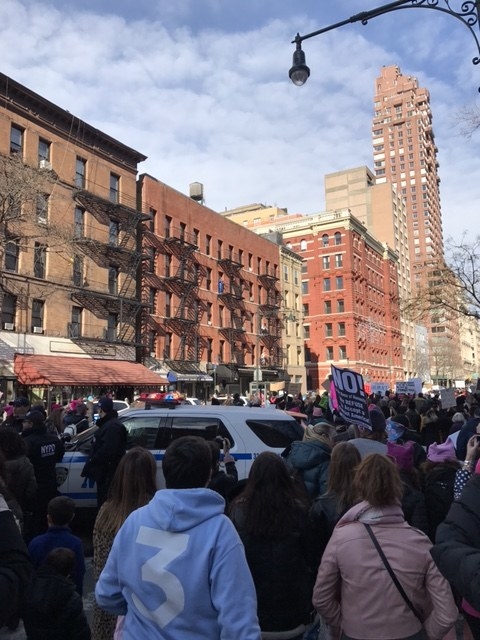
x=469 y=15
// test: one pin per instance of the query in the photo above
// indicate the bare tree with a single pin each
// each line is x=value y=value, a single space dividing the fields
x=469 y=120
x=454 y=284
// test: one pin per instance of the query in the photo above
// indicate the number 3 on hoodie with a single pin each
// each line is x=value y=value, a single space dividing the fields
x=171 y=546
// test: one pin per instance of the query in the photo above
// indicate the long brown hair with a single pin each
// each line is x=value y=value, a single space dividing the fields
x=133 y=486
x=341 y=472
x=271 y=503
x=377 y=480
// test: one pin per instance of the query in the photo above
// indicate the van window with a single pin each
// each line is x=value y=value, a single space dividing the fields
x=142 y=431
x=276 y=433
x=208 y=428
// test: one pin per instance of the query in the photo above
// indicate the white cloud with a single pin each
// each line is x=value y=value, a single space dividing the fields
x=214 y=104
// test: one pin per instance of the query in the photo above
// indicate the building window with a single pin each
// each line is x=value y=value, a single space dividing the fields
x=327 y=306
x=113 y=232
x=341 y=328
x=38 y=307
x=338 y=260
x=113 y=280
x=168 y=304
x=219 y=249
x=338 y=238
x=167 y=346
x=329 y=353
x=342 y=352
x=11 y=255
x=306 y=310
x=42 y=208
x=151 y=222
x=44 y=154
x=328 y=330
x=9 y=311
x=77 y=271
x=339 y=282
x=39 y=260
x=285 y=273
x=208 y=245
x=152 y=300
x=306 y=331
x=80 y=172
x=111 y=330
x=305 y=287
x=79 y=222
x=209 y=279
x=325 y=240
x=114 y=188
x=326 y=262
x=327 y=284
x=16 y=140
x=303 y=245
x=75 y=328
x=296 y=276
x=340 y=306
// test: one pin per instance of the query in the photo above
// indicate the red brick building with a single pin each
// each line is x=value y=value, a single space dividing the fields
x=349 y=291
x=211 y=295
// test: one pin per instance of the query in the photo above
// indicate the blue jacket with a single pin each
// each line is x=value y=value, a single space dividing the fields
x=177 y=569
x=55 y=537
x=311 y=458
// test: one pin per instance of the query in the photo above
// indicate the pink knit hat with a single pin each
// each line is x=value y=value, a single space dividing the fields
x=441 y=452
x=402 y=454
x=477 y=467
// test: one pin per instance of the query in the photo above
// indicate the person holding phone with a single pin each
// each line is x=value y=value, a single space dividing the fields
x=222 y=480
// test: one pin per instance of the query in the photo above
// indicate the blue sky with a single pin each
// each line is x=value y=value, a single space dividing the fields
x=201 y=88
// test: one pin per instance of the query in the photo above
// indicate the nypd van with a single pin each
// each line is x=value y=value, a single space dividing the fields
x=249 y=431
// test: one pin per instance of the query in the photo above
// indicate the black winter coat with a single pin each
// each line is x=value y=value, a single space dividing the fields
x=44 y=450
x=15 y=568
x=282 y=570
x=54 y=610
x=108 y=448
x=413 y=505
x=438 y=490
x=457 y=548
x=324 y=515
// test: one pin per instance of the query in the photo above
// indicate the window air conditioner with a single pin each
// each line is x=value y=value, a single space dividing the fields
x=37 y=329
x=9 y=326
x=45 y=164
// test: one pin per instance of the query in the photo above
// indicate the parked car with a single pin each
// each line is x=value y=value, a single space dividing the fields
x=119 y=406
x=249 y=431
x=195 y=401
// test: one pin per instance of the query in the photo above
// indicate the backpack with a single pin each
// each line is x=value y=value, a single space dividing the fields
x=439 y=485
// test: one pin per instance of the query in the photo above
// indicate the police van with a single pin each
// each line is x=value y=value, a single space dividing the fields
x=249 y=431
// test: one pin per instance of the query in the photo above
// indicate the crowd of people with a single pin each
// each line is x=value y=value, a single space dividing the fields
x=354 y=533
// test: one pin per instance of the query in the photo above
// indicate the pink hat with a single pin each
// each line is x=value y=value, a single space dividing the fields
x=402 y=454
x=8 y=410
x=477 y=467
x=441 y=452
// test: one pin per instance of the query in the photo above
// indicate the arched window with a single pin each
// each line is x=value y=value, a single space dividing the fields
x=338 y=237
x=325 y=240
x=303 y=245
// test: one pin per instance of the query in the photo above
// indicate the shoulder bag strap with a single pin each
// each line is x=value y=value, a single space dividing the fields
x=391 y=572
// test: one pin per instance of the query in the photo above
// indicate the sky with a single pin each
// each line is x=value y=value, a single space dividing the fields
x=201 y=87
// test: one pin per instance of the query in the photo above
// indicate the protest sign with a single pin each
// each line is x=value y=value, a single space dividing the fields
x=379 y=388
x=350 y=396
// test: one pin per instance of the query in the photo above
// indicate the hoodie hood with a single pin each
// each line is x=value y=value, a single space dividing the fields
x=307 y=454
x=181 y=509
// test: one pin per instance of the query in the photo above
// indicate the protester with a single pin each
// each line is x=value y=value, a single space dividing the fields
x=20 y=474
x=310 y=458
x=328 y=508
x=21 y=406
x=457 y=550
x=15 y=571
x=271 y=516
x=108 y=448
x=207 y=583
x=439 y=472
x=413 y=500
x=372 y=440
x=355 y=593
x=61 y=511
x=222 y=481
x=54 y=610
x=468 y=430
x=133 y=486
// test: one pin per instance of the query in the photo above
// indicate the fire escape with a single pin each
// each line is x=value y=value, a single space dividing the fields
x=120 y=253
x=270 y=323
x=184 y=285
x=231 y=295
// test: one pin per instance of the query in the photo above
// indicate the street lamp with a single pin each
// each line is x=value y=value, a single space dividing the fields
x=468 y=13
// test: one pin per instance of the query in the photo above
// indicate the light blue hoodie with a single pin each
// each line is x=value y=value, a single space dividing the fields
x=177 y=570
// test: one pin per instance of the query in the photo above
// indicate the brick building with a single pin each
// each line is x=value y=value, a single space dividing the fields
x=69 y=222
x=349 y=292
x=211 y=294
